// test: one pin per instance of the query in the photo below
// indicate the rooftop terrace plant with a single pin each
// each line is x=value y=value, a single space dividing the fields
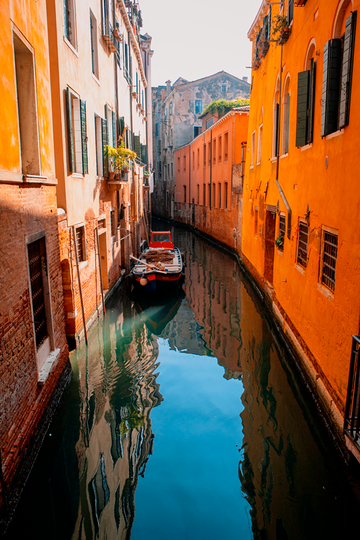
x=223 y=106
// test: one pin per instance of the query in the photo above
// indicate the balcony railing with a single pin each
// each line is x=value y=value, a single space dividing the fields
x=352 y=409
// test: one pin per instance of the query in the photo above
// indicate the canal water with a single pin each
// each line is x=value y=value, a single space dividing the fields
x=186 y=419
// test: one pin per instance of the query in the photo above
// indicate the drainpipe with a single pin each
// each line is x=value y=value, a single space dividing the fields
x=210 y=168
x=116 y=89
x=189 y=178
x=278 y=156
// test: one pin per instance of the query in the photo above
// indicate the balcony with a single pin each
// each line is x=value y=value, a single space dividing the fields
x=300 y=3
x=352 y=409
x=109 y=37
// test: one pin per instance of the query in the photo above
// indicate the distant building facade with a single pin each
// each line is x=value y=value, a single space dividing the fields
x=177 y=121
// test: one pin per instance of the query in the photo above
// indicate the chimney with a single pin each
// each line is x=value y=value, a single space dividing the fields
x=245 y=79
x=168 y=87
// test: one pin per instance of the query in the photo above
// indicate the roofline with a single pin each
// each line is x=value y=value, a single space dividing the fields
x=123 y=12
x=259 y=16
x=233 y=112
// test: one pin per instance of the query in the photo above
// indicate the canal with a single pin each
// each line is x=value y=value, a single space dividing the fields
x=186 y=419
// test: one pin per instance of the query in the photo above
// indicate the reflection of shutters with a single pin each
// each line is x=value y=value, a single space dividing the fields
x=70 y=131
x=37 y=269
x=137 y=146
x=302 y=107
x=84 y=137
x=144 y=157
x=105 y=18
x=346 y=72
x=122 y=125
x=105 y=141
x=330 y=89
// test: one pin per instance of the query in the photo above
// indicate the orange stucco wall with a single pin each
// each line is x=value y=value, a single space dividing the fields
x=319 y=181
x=218 y=215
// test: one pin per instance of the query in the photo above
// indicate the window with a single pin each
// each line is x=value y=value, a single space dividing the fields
x=193 y=160
x=112 y=223
x=198 y=158
x=337 y=78
x=198 y=106
x=290 y=11
x=165 y=113
x=27 y=109
x=219 y=195
x=223 y=87
x=204 y=155
x=226 y=146
x=80 y=243
x=94 y=45
x=170 y=108
x=38 y=272
x=157 y=129
x=209 y=154
x=282 y=230
x=172 y=170
x=198 y=193
x=69 y=21
x=286 y=117
x=197 y=131
x=303 y=237
x=184 y=194
x=329 y=256
x=178 y=164
x=214 y=151
x=226 y=195
x=259 y=148
x=77 y=133
x=101 y=139
x=256 y=220
x=220 y=148
x=209 y=123
x=305 y=105
x=252 y=155
x=214 y=195
x=204 y=194
x=184 y=163
x=276 y=120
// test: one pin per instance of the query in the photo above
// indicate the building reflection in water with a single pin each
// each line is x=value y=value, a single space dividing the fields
x=118 y=389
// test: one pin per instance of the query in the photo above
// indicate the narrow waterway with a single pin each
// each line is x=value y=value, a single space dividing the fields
x=186 y=419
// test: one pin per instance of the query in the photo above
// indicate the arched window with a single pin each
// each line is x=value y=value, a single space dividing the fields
x=286 y=116
x=276 y=119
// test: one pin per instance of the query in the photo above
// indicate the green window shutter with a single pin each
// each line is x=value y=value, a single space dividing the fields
x=105 y=18
x=70 y=131
x=331 y=84
x=137 y=146
x=302 y=107
x=346 y=72
x=113 y=128
x=122 y=125
x=311 y=102
x=105 y=141
x=84 y=148
x=144 y=157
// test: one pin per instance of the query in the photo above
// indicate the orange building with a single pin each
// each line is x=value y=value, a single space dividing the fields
x=300 y=194
x=209 y=179
x=34 y=366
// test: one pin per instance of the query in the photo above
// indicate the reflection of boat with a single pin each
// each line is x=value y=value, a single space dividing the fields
x=157 y=313
x=160 y=267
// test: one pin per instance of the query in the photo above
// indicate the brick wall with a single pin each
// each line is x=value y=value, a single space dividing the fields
x=25 y=210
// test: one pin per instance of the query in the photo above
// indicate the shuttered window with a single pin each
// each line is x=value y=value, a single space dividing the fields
x=305 y=106
x=347 y=67
x=144 y=154
x=105 y=141
x=37 y=272
x=80 y=243
x=71 y=150
x=302 y=244
x=77 y=133
x=329 y=257
x=114 y=142
x=84 y=137
x=331 y=81
x=137 y=149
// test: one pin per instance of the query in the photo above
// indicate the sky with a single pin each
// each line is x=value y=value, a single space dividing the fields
x=196 y=38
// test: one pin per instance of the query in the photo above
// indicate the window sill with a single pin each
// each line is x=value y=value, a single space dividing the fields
x=47 y=367
x=82 y=264
x=335 y=134
x=34 y=179
x=306 y=147
x=279 y=252
x=326 y=292
x=77 y=175
x=71 y=47
x=273 y=159
x=300 y=269
x=95 y=79
x=284 y=156
x=251 y=167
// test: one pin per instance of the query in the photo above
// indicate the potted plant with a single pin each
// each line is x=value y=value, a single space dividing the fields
x=279 y=242
x=120 y=158
x=281 y=29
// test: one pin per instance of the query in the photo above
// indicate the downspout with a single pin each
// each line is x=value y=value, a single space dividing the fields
x=117 y=134
x=210 y=168
x=278 y=155
x=189 y=177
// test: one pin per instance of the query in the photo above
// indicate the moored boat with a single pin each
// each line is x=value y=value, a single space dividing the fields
x=160 y=267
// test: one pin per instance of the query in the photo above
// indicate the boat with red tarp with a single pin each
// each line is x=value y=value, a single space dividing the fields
x=160 y=266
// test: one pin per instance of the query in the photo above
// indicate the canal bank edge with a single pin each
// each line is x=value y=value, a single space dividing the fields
x=318 y=386
x=14 y=491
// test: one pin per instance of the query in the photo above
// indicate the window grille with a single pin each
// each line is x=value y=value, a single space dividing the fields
x=352 y=409
x=80 y=243
x=282 y=229
x=329 y=260
x=302 y=244
x=112 y=221
x=37 y=270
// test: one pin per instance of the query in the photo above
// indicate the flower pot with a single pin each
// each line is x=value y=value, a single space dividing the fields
x=111 y=175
